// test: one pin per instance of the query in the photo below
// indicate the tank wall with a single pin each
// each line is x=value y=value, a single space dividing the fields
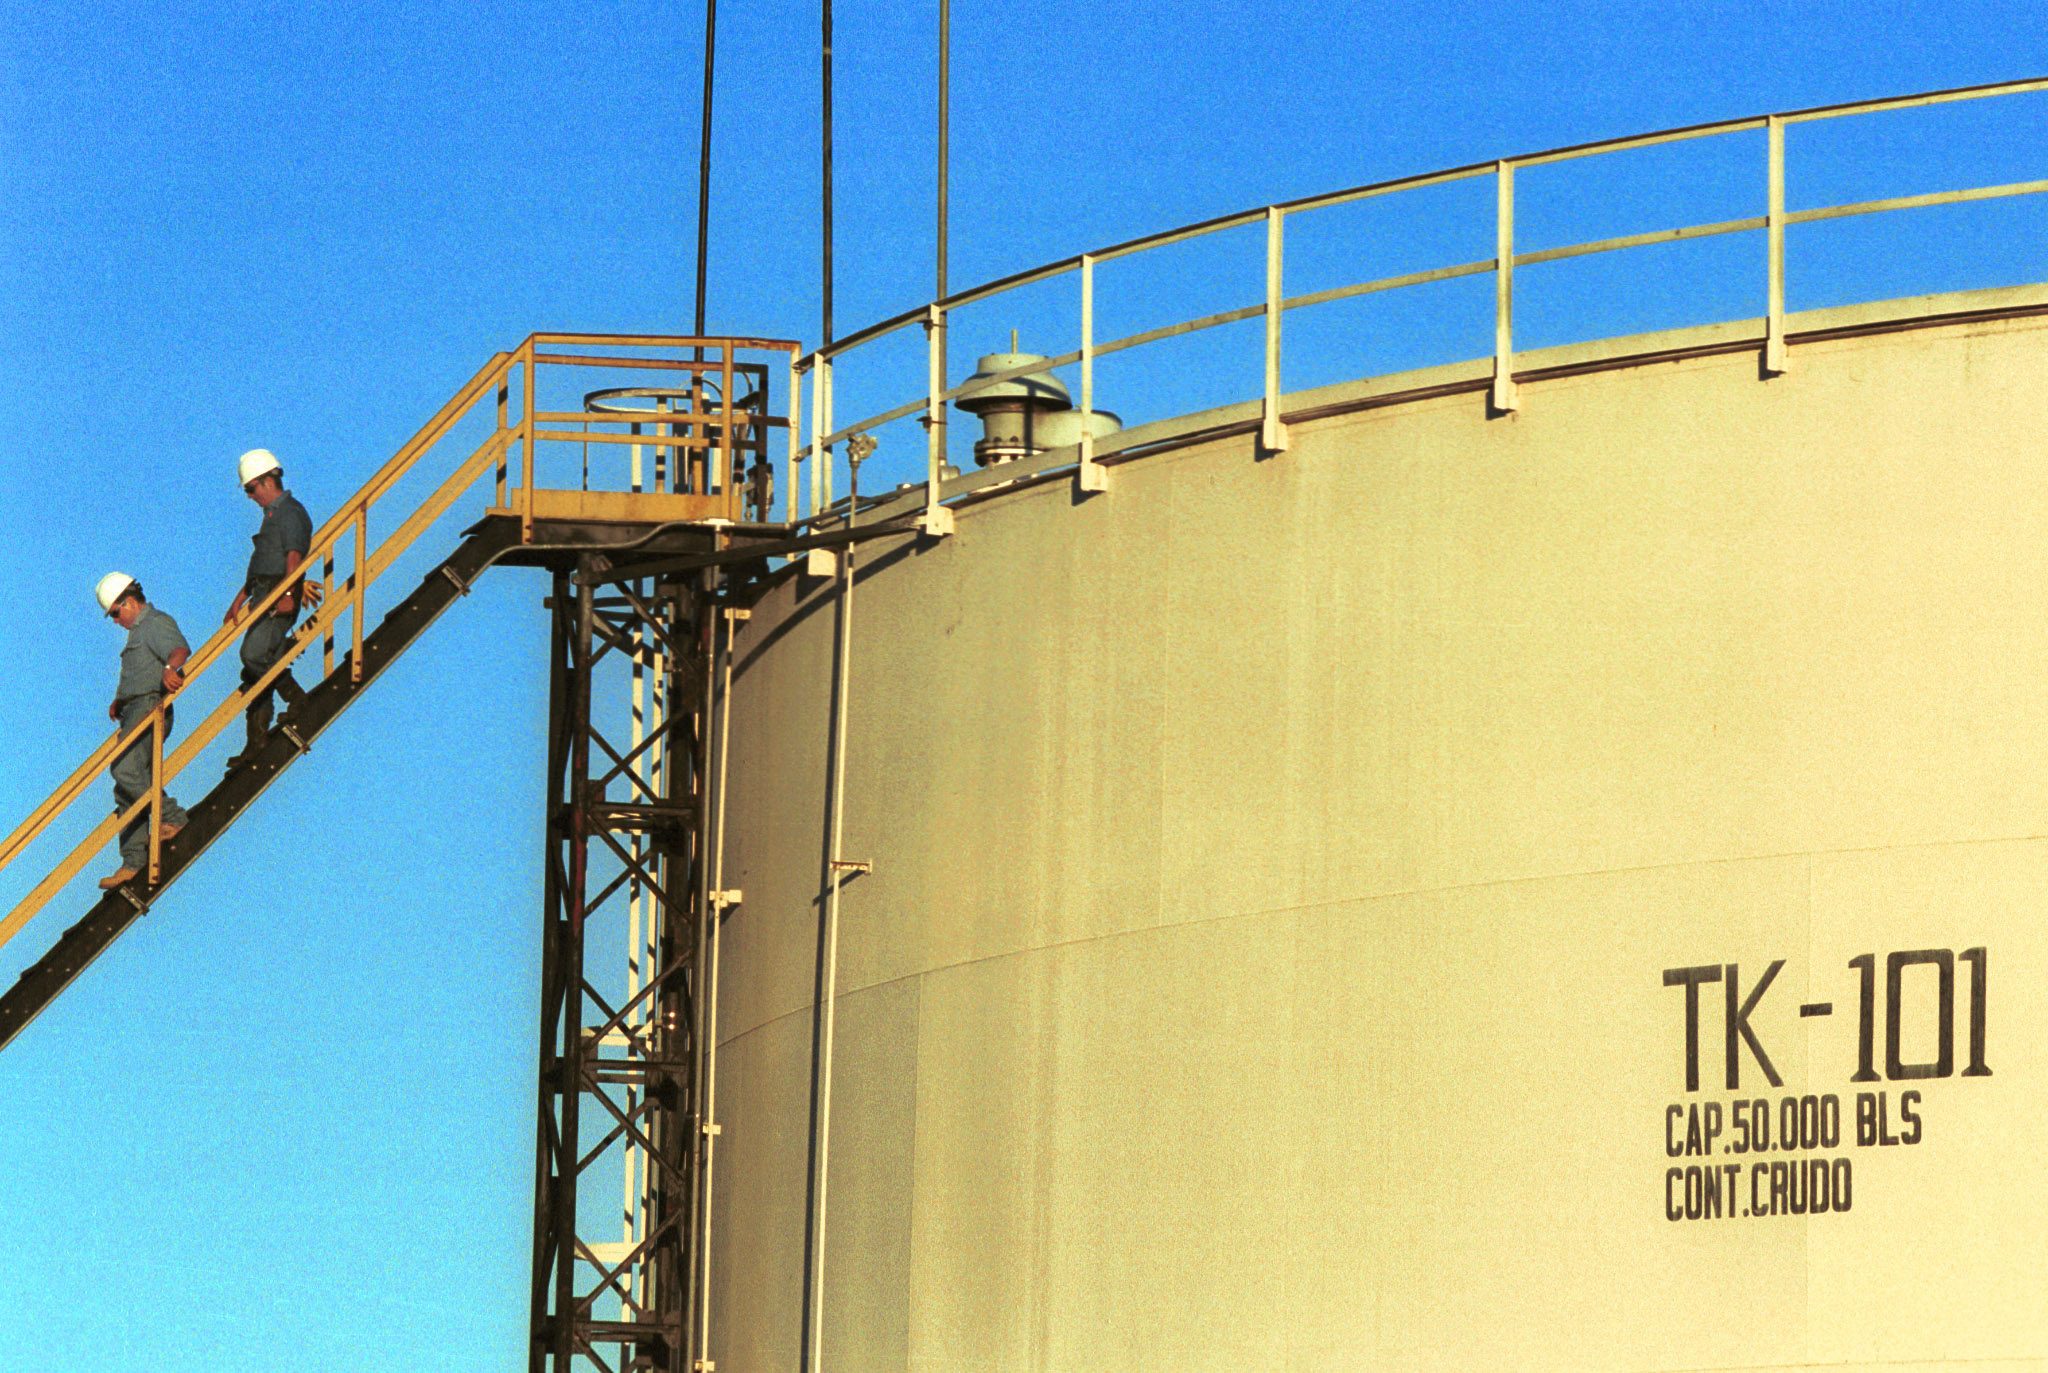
x=1278 y=864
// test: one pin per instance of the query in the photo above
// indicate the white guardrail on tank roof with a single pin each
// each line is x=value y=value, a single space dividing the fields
x=810 y=494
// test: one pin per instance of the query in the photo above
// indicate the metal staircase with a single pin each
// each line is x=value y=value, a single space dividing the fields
x=669 y=519
x=44 y=980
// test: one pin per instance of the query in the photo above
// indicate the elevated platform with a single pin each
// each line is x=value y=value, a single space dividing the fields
x=714 y=442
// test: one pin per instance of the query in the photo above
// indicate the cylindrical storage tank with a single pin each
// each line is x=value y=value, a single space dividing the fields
x=1562 y=890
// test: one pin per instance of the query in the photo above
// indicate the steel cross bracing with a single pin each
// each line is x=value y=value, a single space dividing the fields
x=627 y=891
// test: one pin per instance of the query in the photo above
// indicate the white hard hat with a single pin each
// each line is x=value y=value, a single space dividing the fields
x=112 y=588
x=258 y=462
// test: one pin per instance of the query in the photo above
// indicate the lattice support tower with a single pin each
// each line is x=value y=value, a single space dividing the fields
x=627 y=897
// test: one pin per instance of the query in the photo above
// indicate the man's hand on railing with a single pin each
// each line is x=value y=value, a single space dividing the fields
x=173 y=679
x=312 y=593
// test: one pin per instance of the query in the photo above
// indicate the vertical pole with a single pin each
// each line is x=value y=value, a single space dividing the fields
x=654 y=935
x=678 y=866
x=817 y=458
x=362 y=581
x=828 y=971
x=574 y=1046
x=504 y=439
x=825 y=177
x=707 y=1001
x=792 y=467
x=703 y=915
x=1272 y=433
x=327 y=636
x=725 y=467
x=824 y=384
x=637 y=896
x=1090 y=475
x=668 y=461
x=704 y=162
x=1774 y=234
x=945 y=134
x=526 y=443
x=156 y=794
x=936 y=521
x=944 y=237
x=547 y=1153
x=1504 y=397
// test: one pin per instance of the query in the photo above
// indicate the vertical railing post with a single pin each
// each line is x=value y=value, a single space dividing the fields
x=820 y=562
x=824 y=429
x=817 y=444
x=156 y=794
x=1272 y=432
x=504 y=442
x=724 y=468
x=1504 y=396
x=1090 y=475
x=362 y=579
x=937 y=521
x=1774 y=237
x=526 y=445
x=668 y=458
x=939 y=341
x=792 y=469
x=327 y=635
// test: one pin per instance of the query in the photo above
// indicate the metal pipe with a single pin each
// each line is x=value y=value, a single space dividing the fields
x=708 y=996
x=697 y=1302
x=944 y=242
x=704 y=163
x=825 y=180
x=945 y=130
x=828 y=971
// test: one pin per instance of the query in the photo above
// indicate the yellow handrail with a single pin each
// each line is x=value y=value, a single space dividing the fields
x=351 y=520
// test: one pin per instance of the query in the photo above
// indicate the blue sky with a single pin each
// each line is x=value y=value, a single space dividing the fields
x=287 y=1122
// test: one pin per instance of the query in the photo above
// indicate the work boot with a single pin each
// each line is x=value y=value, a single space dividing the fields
x=259 y=730
x=121 y=878
x=289 y=688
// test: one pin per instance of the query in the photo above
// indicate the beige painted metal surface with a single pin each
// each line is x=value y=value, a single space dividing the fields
x=1291 y=876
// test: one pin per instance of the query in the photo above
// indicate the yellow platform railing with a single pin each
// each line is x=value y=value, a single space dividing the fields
x=698 y=476
x=928 y=384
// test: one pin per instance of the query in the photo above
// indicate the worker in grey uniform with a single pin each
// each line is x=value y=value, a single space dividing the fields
x=152 y=666
x=282 y=542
